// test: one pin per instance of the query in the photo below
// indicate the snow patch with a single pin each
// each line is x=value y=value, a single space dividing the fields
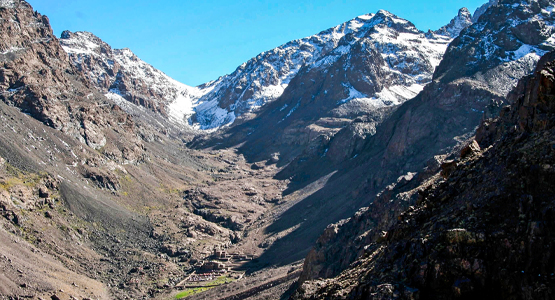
x=7 y=3
x=180 y=109
x=525 y=50
x=12 y=49
x=291 y=111
x=353 y=93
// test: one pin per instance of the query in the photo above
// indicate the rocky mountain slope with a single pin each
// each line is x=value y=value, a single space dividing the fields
x=478 y=232
x=265 y=78
x=38 y=78
x=92 y=198
x=356 y=166
x=121 y=75
x=385 y=62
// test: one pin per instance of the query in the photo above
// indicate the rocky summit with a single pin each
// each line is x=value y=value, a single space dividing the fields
x=371 y=160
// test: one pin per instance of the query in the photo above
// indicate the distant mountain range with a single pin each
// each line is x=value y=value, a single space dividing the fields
x=411 y=61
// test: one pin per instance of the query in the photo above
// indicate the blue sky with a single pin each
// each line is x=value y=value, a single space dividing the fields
x=198 y=41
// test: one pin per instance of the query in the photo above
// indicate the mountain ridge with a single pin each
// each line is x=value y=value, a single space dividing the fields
x=120 y=74
x=389 y=63
x=253 y=84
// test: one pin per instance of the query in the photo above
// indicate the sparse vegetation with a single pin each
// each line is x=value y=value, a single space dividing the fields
x=209 y=285
x=189 y=292
x=19 y=177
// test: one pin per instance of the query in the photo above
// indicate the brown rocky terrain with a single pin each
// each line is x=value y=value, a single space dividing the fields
x=474 y=233
x=135 y=237
x=94 y=197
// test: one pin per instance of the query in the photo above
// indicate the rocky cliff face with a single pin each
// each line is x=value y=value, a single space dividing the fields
x=121 y=75
x=477 y=232
x=37 y=77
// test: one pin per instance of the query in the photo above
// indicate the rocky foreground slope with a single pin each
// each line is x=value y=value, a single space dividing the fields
x=485 y=231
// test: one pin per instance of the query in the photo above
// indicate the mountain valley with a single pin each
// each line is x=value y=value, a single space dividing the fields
x=372 y=160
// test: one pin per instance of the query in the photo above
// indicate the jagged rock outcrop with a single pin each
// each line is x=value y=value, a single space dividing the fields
x=476 y=234
x=460 y=22
x=26 y=43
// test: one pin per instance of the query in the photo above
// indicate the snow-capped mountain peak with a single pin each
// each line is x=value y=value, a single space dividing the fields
x=264 y=78
x=125 y=78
